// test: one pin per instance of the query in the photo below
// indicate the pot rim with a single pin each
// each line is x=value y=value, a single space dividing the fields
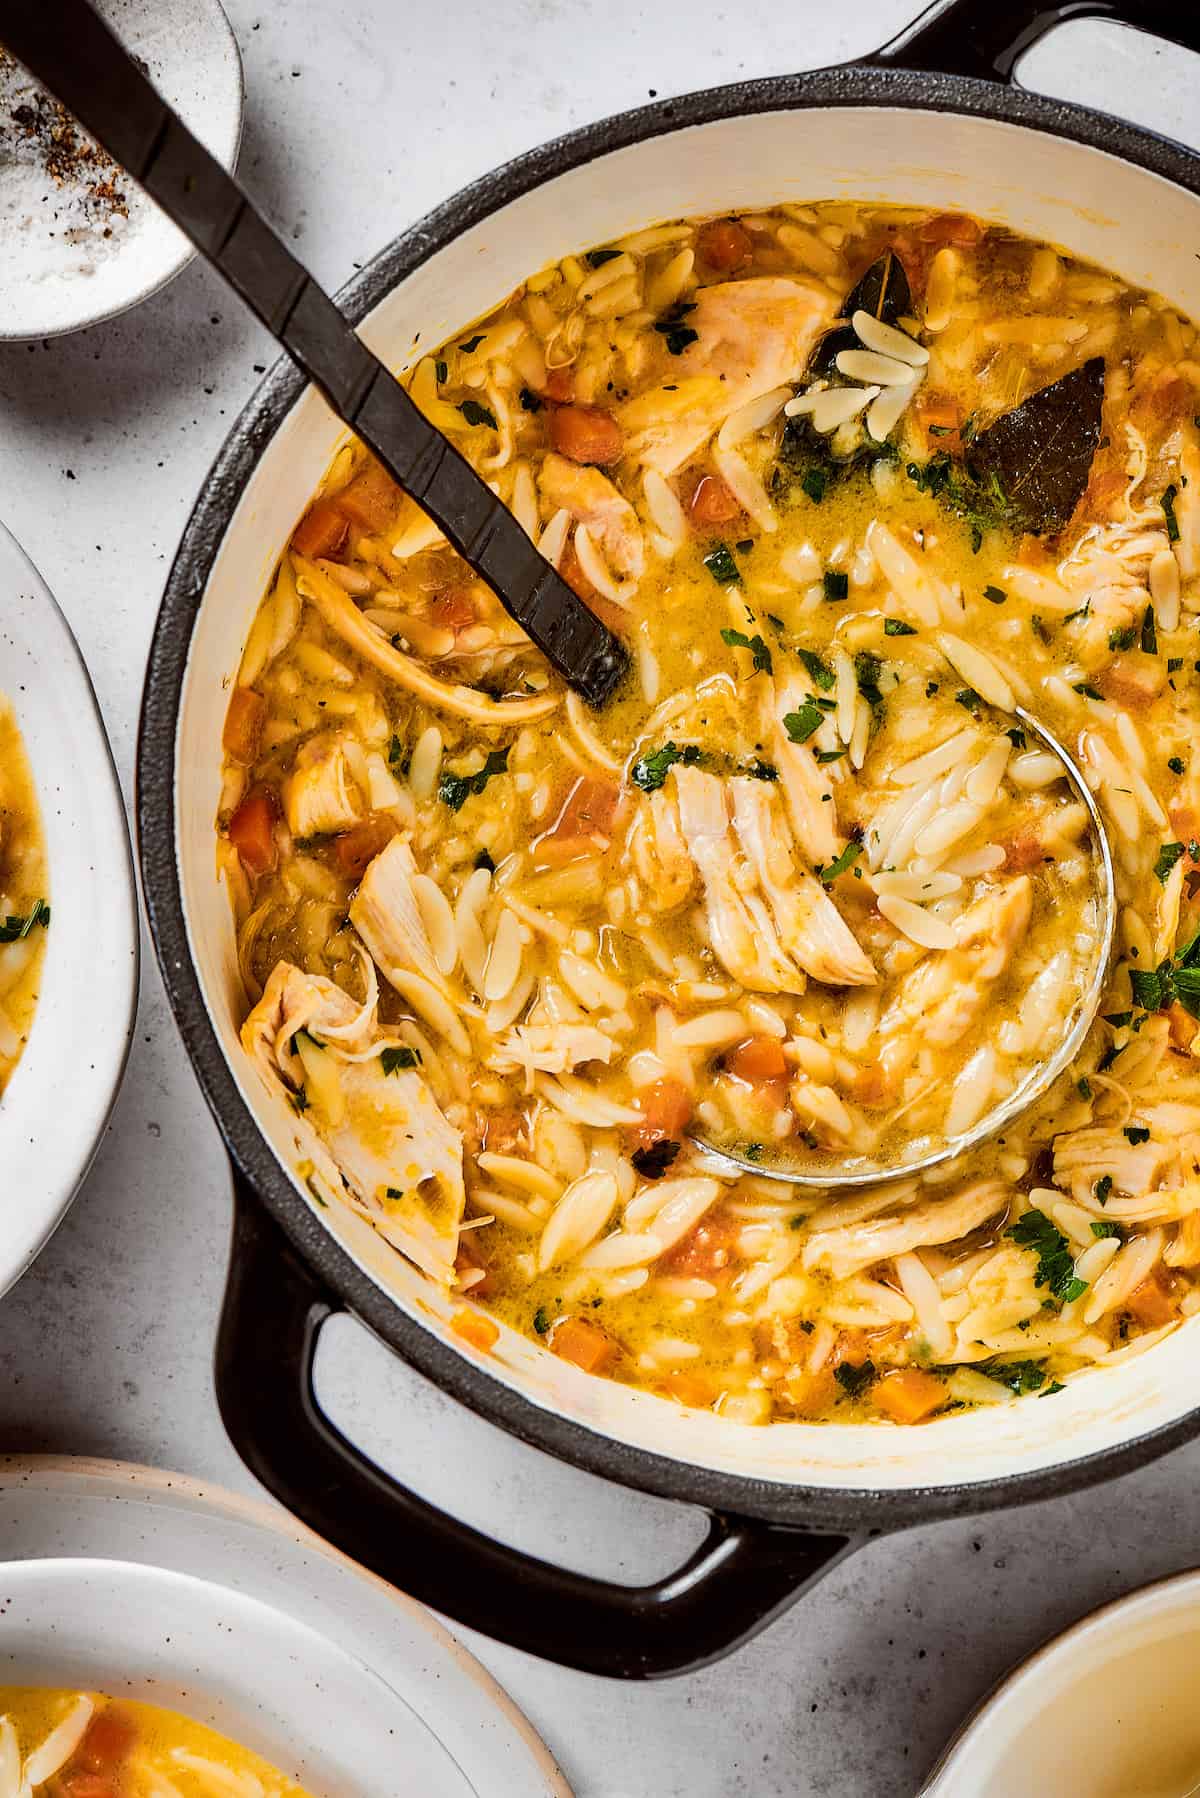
x=852 y=85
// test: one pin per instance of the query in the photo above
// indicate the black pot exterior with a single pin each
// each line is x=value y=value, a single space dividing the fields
x=325 y=1276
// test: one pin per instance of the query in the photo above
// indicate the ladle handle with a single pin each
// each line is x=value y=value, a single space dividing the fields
x=65 y=45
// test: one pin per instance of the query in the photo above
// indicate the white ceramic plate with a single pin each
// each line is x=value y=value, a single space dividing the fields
x=55 y=1107
x=1106 y=1710
x=131 y=1580
x=80 y=275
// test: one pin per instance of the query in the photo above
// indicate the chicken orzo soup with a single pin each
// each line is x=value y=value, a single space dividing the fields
x=24 y=911
x=68 y=1744
x=855 y=485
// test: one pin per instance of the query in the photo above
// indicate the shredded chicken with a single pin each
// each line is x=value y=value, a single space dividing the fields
x=385 y=913
x=848 y=1250
x=806 y=785
x=321 y=793
x=752 y=335
x=380 y=1136
x=591 y=499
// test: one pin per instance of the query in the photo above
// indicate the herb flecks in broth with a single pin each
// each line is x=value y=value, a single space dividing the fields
x=852 y=483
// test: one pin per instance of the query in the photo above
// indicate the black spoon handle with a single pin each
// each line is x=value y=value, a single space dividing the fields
x=67 y=47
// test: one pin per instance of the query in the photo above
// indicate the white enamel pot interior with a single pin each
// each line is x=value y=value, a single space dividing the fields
x=1104 y=192
x=227 y=1660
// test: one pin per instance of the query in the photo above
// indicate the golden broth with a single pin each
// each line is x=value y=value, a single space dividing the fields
x=24 y=894
x=804 y=885
x=87 y=1745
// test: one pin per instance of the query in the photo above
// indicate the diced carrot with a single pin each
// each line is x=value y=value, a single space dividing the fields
x=1102 y=492
x=758 y=1060
x=586 y=434
x=940 y=417
x=1185 y=821
x=689 y=1389
x=666 y=1107
x=872 y=1087
x=1022 y=853
x=453 y=609
x=322 y=531
x=706 y=1252
x=810 y=1394
x=571 y=571
x=252 y=830
x=502 y=1131
x=479 y=1331
x=86 y=1785
x=109 y=1740
x=1183 y=1026
x=1151 y=1304
x=584 y=1344
x=357 y=847
x=712 y=502
x=951 y=227
x=606 y=610
x=560 y=385
x=908 y=1395
x=243 y=725
x=583 y=825
x=724 y=244
x=371 y=500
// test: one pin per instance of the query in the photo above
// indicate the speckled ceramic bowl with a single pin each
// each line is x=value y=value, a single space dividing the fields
x=84 y=275
x=55 y=1107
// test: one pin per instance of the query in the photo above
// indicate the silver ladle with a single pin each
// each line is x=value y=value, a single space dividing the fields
x=1027 y=1092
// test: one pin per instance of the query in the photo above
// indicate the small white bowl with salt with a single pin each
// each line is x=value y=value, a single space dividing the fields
x=79 y=241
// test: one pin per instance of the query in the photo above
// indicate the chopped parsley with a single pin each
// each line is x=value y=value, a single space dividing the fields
x=455 y=789
x=440 y=371
x=1175 y=764
x=650 y=771
x=15 y=928
x=1083 y=1087
x=1105 y=1227
x=1016 y=736
x=1055 y=1263
x=997 y=595
x=1123 y=638
x=1019 y=1376
x=840 y=865
x=395 y=1061
x=828 y=755
x=896 y=627
x=867 y=669
x=1136 y=1133
x=835 y=583
x=721 y=565
x=813 y=483
x=1103 y=1189
x=969 y=700
x=1088 y=691
x=395 y=753
x=530 y=401
x=1149 y=637
x=760 y=770
x=1039 y=629
x=1168 y=506
x=471 y=343
x=652 y=1163
x=597 y=258
x=755 y=644
x=484 y=860
x=801 y=725
x=1168 y=855
x=819 y=672
x=475 y=414
x=855 y=1379
x=541 y=1320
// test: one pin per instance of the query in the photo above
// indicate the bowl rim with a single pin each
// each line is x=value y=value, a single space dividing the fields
x=465 y=1379
x=65 y=1157
x=1154 y=1595
x=230 y=62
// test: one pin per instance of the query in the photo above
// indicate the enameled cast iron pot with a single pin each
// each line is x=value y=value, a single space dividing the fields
x=930 y=120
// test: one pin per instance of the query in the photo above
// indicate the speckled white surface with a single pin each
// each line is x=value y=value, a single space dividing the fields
x=356 y=122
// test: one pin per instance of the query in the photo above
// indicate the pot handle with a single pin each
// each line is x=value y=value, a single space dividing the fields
x=984 y=40
x=740 y=1577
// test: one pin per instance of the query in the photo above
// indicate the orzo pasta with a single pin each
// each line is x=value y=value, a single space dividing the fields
x=24 y=911
x=854 y=484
